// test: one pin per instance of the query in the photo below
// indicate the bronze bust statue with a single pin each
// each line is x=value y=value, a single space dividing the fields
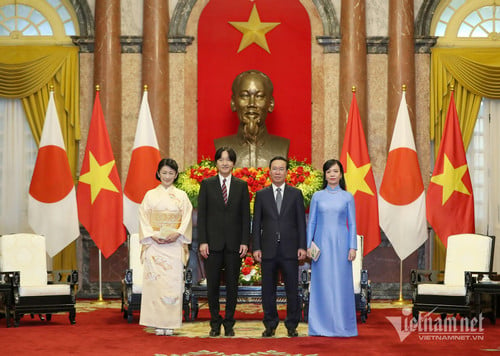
x=253 y=99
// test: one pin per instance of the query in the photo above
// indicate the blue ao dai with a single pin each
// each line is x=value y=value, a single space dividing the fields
x=332 y=226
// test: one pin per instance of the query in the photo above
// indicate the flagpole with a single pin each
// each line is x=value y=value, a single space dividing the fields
x=100 y=300
x=401 y=301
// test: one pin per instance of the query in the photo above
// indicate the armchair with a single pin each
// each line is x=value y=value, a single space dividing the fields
x=33 y=289
x=132 y=281
x=450 y=291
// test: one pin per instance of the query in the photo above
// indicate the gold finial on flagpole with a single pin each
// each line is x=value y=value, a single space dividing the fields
x=404 y=87
x=51 y=87
x=97 y=87
x=145 y=87
x=452 y=87
x=353 y=88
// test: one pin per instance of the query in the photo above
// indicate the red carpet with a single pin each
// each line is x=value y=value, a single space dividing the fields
x=100 y=331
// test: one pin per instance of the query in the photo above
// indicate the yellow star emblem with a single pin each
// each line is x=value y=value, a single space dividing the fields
x=355 y=177
x=254 y=31
x=98 y=177
x=451 y=179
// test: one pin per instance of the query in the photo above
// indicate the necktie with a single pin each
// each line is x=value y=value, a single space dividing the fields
x=279 y=199
x=224 y=190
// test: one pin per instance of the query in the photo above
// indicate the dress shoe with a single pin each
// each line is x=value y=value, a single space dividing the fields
x=293 y=332
x=228 y=332
x=268 y=332
x=214 y=332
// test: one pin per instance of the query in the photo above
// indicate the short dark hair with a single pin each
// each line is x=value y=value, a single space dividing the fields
x=231 y=153
x=327 y=165
x=169 y=162
x=279 y=158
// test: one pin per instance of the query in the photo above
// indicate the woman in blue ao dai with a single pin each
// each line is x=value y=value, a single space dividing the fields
x=332 y=226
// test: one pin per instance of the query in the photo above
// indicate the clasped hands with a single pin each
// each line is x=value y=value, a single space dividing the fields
x=166 y=239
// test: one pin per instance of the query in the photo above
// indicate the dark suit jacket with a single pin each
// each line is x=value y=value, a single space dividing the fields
x=290 y=224
x=223 y=226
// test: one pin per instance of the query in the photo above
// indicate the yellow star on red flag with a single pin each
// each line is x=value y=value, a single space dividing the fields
x=356 y=177
x=254 y=31
x=451 y=179
x=98 y=177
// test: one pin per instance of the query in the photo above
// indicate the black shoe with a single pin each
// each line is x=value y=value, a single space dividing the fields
x=268 y=332
x=228 y=331
x=214 y=331
x=293 y=332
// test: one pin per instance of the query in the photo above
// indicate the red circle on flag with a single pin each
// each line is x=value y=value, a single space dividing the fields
x=402 y=183
x=52 y=179
x=141 y=173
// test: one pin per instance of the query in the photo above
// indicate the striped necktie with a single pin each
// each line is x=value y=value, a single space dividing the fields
x=224 y=190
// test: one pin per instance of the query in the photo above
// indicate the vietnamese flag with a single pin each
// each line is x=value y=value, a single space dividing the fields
x=143 y=165
x=52 y=209
x=99 y=193
x=450 y=200
x=402 y=196
x=359 y=179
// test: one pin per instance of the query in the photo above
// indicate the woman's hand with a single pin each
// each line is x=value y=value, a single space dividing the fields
x=352 y=254
x=167 y=239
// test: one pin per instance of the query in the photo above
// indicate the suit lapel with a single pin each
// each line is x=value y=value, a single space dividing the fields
x=218 y=189
x=272 y=200
x=286 y=199
x=230 y=192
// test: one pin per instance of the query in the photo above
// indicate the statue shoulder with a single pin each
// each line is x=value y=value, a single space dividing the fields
x=230 y=141
x=280 y=139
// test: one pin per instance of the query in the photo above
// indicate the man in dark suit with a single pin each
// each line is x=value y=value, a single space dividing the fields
x=224 y=234
x=279 y=242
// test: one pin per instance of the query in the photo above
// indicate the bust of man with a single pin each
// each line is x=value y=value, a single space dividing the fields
x=253 y=99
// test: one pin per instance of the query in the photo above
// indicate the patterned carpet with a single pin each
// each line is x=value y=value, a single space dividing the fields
x=248 y=324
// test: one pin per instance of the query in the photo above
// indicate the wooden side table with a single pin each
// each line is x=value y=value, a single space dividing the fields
x=482 y=289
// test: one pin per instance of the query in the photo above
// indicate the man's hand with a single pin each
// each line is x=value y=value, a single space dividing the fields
x=243 y=250
x=257 y=255
x=204 y=250
x=301 y=254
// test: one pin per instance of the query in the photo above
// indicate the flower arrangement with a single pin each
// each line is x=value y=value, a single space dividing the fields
x=300 y=175
x=250 y=271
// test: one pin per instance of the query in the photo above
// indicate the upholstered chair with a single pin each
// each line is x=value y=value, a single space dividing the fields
x=33 y=289
x=449 y=291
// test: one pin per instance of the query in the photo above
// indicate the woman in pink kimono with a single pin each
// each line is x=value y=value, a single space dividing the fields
x=164 y=231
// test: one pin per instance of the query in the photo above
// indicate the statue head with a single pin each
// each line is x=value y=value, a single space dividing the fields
x=252 y=99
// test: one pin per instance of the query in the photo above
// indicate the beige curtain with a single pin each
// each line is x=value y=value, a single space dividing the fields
x=27 y=73
x=474 y=73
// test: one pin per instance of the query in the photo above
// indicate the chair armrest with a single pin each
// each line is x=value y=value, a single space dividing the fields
x=418 y=276
x=62 y=277
x=7 y=278
x=472 y=277
x=10 y=277
x=364 y=278
x=128 y=279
